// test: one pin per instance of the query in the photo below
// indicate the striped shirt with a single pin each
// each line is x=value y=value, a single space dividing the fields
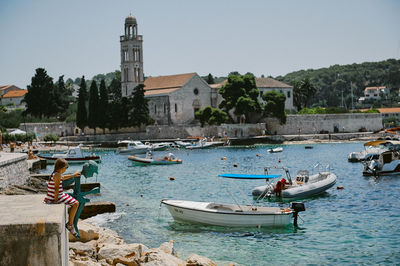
x=62 y=197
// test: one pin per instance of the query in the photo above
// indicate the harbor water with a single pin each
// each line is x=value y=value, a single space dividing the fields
x=359 y=224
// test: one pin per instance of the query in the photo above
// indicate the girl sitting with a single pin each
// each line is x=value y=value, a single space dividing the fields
x=55 y=192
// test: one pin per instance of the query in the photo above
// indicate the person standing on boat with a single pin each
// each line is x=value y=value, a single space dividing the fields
x=56 y=195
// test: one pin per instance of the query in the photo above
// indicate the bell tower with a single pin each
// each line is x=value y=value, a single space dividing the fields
x=131 y=57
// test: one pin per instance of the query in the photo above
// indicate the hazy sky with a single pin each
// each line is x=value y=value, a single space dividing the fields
x=81 y=37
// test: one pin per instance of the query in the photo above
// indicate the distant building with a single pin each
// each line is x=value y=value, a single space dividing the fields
x=264 y=85
x=131 y=57
x=174 y=99
x=6 y=88
x=374 y=93
x=15 y=97
x=268 y=84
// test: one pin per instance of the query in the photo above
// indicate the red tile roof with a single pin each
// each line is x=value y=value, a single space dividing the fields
x=374 y=88
x=270 y=83
x=167 y=82
x=15 y=94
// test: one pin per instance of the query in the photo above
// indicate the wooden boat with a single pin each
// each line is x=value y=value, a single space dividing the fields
x=170 y=159
x=387 y=164
x=72 y=155
x=221 y=214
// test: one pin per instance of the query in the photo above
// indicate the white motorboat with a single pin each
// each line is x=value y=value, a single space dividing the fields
x=387 y=164
x=273 y=150
x=132 y=146
x=182 y=143
x=220 y=214
x=203 y=143
x=304 y=185
x=72 y=155
x=148 y=160
x=160 y=146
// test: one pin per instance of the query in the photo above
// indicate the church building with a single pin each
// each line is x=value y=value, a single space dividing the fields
x=174 y=99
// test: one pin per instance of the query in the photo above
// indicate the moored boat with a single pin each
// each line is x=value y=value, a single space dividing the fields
x=273 y=150
x=230 y=215
x=133 y=147
x=388 y=163
x=72 y=155
x=303 y=186
x=170 y=159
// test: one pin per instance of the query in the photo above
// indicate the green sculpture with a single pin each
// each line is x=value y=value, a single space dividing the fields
x=88 y=170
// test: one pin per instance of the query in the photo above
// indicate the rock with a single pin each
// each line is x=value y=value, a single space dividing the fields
x=108 y=236
x=168 y=247
x=157 y=257
x=197 y=260
x=84 y=249
x=87 y=231
x=127 y=254
x=98 y=207
x=84 y=262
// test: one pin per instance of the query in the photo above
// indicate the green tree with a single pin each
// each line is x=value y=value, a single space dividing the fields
x=211 y=116
x=210 y=79
x=241 y=94
x=93 y=117
x=115 y=89
x=275 y=105
x=140 y=109
x=39 y=96
x=60 y=98
x=81 y=113
x=303 y=91
x=103 y=106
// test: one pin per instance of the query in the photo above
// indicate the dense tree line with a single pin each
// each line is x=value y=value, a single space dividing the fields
x=101 y=107
x=330 y=82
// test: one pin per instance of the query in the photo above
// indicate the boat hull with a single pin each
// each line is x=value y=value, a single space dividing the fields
x=51 y=160
x=197 y=212
x=145 y=161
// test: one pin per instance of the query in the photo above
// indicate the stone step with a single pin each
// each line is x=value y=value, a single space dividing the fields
x=99 y=207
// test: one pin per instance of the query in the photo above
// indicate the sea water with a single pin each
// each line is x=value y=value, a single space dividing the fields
x=359 y=224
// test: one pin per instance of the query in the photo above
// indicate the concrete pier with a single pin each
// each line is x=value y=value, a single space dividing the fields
x=13 y=169
x=32 y=232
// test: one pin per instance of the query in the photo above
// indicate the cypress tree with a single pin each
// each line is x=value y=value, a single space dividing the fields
x=140 y=113
x=38 y=98
x=103 y=105
x=93 y=118
x=210 y=79
x=81 y=114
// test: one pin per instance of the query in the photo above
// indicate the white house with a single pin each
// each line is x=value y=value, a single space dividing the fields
x=15 y=97
x=375 y=92
x=268 y=84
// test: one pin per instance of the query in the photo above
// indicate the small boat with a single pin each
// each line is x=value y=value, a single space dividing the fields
x=303 y=186
x=169 y=159
x=203 y=143
x=72 y=155
x=132 y=146
x=182 y=143
x=308 y=147
x=369 y=153
x=273 y=150
x=388 y=163
x=161 y=146
x=230 y=215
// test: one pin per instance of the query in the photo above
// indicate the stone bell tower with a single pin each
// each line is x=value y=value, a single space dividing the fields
x=131 y=57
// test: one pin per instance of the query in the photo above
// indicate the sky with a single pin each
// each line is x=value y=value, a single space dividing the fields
x=264 y=37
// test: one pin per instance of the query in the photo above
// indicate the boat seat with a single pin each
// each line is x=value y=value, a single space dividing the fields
x=221 y=207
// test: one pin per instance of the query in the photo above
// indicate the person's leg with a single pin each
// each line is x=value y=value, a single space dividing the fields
x=72 y=212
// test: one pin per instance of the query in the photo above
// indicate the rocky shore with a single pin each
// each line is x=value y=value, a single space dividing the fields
x=99 y=246
x=103 y=247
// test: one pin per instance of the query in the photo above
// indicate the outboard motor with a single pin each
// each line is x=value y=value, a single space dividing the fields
x=297 y=207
